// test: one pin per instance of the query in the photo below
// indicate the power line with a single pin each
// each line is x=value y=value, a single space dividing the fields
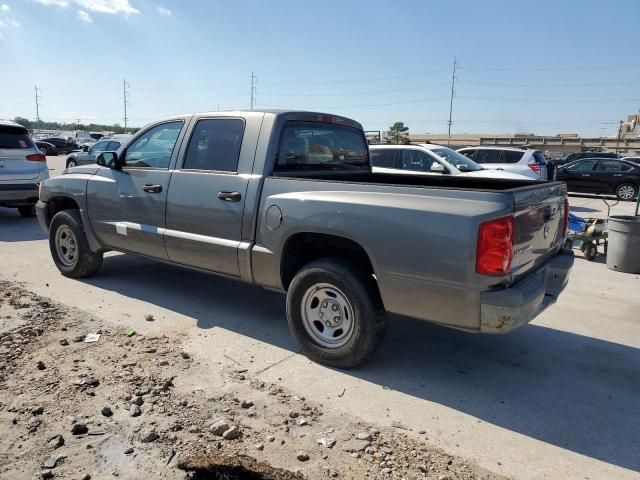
x=544 y=85
x=418 y=100
x=556 y=100
x=552 y=68
x=420 y=87
x=332 y=82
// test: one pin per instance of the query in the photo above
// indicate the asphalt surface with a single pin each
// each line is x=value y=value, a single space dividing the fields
x=559 y=398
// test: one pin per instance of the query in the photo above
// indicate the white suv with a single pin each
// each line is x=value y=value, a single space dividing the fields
x=524 y=161
x=429 y=159
x=22 y=168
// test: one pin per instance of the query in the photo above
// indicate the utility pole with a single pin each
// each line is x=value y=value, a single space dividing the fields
x=619 y=134
x=37 y=105
x=453 y=84
x=125 y=98
x=254 y=80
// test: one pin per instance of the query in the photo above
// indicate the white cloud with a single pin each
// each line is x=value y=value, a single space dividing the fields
x=84 y=16
x=4 y=7
x=164 y=11
x=107 y=6
x=57 y=3
x=13 y=23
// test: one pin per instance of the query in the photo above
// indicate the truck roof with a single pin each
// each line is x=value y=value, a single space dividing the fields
x=301 y=115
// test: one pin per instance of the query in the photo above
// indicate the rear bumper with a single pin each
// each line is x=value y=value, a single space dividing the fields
x=504 y=310
x=17 y=194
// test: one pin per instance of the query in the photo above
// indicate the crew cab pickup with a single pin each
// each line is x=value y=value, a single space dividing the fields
x=287 y=200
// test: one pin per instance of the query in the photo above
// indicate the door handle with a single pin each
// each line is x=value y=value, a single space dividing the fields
x=229 y=196
x=152 y=188
x=586 y=174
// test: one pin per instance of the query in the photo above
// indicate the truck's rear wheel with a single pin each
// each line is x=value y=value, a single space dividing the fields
x=335 y=313
x=69 y=246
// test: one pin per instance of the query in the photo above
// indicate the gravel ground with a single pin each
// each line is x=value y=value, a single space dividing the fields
x=123 y=406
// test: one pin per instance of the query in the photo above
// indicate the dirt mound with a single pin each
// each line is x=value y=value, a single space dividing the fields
x=217 y=466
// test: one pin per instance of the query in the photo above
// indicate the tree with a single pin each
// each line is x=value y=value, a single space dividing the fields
x=398 y=133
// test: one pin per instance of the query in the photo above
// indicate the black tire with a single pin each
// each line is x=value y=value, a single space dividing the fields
x=71 y=163
x=369 y=317
x=623 y=189
x=590 y=251
x=568 y=244
x=86 y=262
x=27 y=210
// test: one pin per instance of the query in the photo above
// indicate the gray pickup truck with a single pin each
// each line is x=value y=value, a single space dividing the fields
x=287 y=200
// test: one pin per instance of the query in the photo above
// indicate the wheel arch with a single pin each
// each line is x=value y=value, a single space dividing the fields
x=302 y=248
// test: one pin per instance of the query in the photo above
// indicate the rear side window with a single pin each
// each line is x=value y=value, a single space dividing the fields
x=510 y=156
x=113 y=146
x=469 y=154
x=416 y=160
x=383 y=157
x=215 y=145
x=612 y=166
x=14 y=138
x=321 y=146
x=488 y=156
x=582 y=166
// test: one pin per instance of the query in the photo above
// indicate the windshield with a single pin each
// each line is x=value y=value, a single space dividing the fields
x=458 y=160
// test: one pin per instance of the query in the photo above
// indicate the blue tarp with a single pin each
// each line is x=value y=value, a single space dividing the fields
x=576 y=224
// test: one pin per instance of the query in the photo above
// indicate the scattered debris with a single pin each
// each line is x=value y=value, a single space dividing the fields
x=149 y=318
x=328 y=442
x=40 y=365
x=92 y=338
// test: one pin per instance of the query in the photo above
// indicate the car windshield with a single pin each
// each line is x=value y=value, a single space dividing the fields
x=456 y=159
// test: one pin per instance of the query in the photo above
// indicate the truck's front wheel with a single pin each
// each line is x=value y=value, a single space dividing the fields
x=335 y=313
x=69 y=246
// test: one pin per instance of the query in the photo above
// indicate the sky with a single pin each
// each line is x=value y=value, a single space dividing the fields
x=544 y=67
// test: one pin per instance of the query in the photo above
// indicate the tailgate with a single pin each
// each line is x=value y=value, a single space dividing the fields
x=15 y=145
x=15 y=166
x=539 y=225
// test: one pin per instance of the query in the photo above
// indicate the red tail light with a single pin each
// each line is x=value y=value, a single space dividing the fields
x=37 y=157
x=535 y=167
x=495 y=246
x=565 y=223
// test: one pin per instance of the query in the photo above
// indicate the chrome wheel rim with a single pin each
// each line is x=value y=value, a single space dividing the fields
x=327 y=315
x=626 y=192
x=66 y=246
x=72 y=164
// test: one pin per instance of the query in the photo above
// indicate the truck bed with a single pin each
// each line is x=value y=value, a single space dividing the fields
x=433 y=181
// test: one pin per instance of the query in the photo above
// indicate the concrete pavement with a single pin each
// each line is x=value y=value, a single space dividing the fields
x=557 y=399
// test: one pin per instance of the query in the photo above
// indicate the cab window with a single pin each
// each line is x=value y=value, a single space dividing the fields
x=153 y=149
x=215 y=145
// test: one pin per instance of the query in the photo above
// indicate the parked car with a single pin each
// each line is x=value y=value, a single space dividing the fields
x=572 y=157
x=430 y=159
x=602 y=175
x=46 y=147
x=22 y=168
x=524 y=161
x=63 y=145
x=287 y=200
x=83 y=157
x=631 y=159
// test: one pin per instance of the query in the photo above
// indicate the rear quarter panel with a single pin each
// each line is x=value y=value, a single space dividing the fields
x=421 y=241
